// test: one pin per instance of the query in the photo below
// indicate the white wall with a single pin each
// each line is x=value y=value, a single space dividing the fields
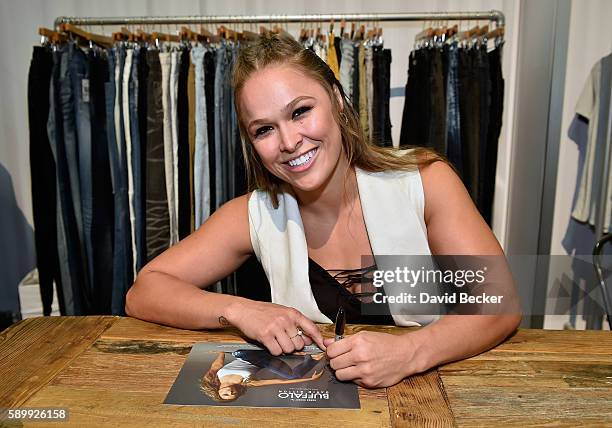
x=19 y=21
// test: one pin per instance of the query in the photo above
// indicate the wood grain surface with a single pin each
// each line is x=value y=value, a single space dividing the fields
x=112 y=371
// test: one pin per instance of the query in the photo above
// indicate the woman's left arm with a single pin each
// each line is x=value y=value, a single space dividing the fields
x=454 y=227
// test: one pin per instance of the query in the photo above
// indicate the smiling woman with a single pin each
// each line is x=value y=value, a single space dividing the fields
x=321 y=197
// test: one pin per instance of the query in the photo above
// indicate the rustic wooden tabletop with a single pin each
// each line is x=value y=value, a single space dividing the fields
x=117 y=371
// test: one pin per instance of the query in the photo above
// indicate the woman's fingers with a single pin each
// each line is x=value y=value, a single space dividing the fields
x=339 y=347
x=273 y=346
x=297 y=339
x=311 y=330
x=285 y=342
x=348 y=373
x=342 y=361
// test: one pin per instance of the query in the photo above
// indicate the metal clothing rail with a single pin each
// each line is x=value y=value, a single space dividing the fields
x=492 y=15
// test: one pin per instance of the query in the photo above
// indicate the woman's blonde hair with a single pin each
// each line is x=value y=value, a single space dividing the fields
x=273 y=49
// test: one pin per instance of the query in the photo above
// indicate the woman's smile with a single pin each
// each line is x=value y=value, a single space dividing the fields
x=303 y=162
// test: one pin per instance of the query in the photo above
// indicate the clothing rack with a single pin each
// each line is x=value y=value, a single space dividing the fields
x=492 y=15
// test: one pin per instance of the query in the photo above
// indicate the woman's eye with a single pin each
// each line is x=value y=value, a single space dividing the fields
x=263 y=130
x=300 y=111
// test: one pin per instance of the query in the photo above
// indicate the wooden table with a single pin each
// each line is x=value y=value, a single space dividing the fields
x=117 y=371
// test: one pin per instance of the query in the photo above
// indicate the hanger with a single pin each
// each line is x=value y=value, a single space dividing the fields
x=208 y=36
x=121 y=36
x=427 y=33
x=141 y=36
x=165 y=37
x=342 y=25
x=498 y=32
x=79 y=34
x=451 y=31
x=187 y=35
x=53 y=37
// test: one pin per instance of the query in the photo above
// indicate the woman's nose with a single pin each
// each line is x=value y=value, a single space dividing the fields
x=290 y=139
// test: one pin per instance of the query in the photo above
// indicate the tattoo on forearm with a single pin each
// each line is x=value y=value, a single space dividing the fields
x=223 y=321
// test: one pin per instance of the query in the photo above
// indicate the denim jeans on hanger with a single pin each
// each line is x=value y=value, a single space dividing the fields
x=453 y=118
x=43 y=173
x=468 y=103
x=220 y=127
x=226 y=153
x=209 y=90
x=417 y=112
x=201 y=174
x=103 y=221
x=157 y=218
x=437 y=121
x=234 y=134
x=484 y=83
x=355 y=73
x=369 y=63
x=495 y=124
x=122 y=261
x=142 y=102
x=184 y=181
x=382 y=71
x=79 y=77
x=60 y=97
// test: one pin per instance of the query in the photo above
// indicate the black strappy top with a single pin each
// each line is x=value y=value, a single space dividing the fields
x=330 y=290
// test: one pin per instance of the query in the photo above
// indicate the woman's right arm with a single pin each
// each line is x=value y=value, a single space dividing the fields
x=170 y=288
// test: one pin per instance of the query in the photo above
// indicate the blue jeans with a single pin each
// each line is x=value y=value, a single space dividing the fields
x=121 y=262
x=60 y=99
x=79 y=75
x=453 y=119
x=220 y=121
x=201 y=174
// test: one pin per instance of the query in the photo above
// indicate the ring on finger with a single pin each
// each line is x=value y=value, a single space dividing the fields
x=299 y=333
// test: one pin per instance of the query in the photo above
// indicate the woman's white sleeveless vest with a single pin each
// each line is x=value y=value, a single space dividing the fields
x=393 y=210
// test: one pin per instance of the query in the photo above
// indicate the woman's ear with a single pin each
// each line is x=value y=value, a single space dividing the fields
x=339 y=97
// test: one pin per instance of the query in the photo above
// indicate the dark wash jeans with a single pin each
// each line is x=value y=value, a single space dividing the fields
x=453 y=118
x=121 y=256
x=381 y=68
x=60 y=98
x=103 y=219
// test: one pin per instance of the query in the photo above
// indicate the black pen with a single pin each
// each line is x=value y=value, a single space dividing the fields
x=340 y=323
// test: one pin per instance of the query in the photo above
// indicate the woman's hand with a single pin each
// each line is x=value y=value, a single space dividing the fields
x=374 y=360
x=275 y=326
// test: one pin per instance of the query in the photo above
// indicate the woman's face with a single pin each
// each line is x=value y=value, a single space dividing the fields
x=288 y=117
x=227 y=393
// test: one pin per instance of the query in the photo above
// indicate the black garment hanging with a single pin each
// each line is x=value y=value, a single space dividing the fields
x=42 y=168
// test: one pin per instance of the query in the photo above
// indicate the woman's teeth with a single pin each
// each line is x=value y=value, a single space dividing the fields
x=302 y=159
